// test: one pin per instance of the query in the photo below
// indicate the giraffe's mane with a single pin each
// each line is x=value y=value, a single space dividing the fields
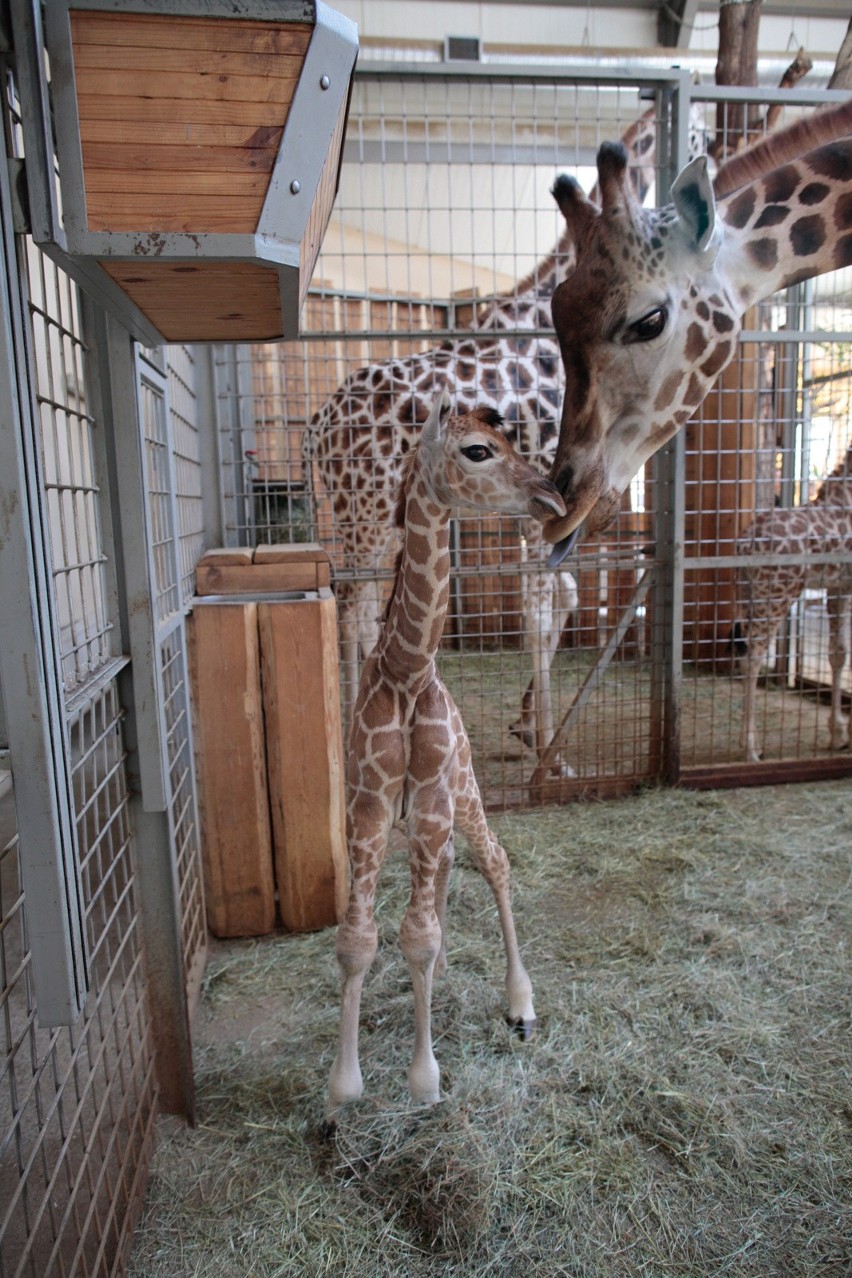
x=782 y=147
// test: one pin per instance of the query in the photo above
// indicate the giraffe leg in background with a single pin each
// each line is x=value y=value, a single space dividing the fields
x=547 y=600
x=751 y=664
x=839 y=620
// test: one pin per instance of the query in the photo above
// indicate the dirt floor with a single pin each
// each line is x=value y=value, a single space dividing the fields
x=684 y=1110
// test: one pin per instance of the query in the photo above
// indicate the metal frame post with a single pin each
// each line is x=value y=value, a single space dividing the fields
x=145 y=729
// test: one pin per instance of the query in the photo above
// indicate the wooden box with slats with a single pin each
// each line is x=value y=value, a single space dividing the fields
x=198 y=146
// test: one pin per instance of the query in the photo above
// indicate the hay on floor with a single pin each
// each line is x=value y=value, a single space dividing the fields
x=684 y=1109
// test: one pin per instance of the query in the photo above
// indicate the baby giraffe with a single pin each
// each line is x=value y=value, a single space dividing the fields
x=409 y=756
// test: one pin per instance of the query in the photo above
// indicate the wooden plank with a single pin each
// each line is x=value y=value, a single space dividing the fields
x=189 y=182
x=102 y=57
x=177 y=132
x=92 y=107
x=299 y=552
x=172 y=84
x=236 y=839
x=210 y=301
x=150 y=30
x=227 y=555
x=258 y=579
x=195 y=214
x=301 y=702
x=140 y=158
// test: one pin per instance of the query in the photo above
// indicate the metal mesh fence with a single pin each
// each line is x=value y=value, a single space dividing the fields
x=77 y=1104
x=438 y=267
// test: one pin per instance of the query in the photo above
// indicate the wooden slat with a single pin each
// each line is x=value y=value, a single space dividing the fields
x=301 y=702
x=175 y=84
x=143 y=111
x=321 y=208
x=199 y=213
x=190 y=182
x=210 y=301
x=147 y=159
x=150 y=30
x=221 y=556
x=180 y=132
x=191 y=62
x=259 y=579
x=236 y=842
x=301 y=552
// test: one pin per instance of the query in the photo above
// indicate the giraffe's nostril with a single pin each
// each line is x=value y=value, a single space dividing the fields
x=565 y=479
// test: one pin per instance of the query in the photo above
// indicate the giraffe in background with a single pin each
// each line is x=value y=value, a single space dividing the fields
x=767 y=591
x=409 y=756
x=652 y=312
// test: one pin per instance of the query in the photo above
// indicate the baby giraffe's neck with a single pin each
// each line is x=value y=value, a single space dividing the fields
x=415 y=617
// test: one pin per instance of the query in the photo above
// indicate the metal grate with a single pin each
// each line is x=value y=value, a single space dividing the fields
x=78 y=1104
x=70 y=485
x=160 y=499
x=183 y=411
x=443 y=211
x=183 y=817
x=440 y=250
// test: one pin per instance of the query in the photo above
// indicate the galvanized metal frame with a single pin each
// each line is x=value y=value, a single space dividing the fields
x=293 y=183
x=30 y=673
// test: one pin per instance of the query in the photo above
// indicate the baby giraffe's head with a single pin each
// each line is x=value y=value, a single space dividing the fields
x=469 y=465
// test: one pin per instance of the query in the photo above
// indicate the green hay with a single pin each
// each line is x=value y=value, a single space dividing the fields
x=684 y=1108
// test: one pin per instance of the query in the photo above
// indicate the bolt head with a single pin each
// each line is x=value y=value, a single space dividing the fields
x=325 y=82
x=295 y=186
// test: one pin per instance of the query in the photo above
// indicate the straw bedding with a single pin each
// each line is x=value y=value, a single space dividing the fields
x=684 y=1108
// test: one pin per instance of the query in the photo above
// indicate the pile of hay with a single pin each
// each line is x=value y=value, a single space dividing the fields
x=684 y=1109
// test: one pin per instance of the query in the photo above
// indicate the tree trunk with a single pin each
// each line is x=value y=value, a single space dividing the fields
x=739 y=23
x=842 y=75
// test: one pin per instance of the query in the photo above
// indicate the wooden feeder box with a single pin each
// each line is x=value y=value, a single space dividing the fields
x=198 y=147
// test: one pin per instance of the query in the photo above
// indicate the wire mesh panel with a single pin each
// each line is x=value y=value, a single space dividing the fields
x=183 y=410
x=768 y=545
x=438 y=268
x=76 y=1104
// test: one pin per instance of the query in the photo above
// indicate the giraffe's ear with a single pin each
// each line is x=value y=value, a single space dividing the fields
x=692 y=195
x=433 y=427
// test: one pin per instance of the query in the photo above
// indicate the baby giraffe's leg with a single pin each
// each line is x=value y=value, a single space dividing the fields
x=442 y=887
x=420 y=939
x=357 y=940
x=839 y=623
x=494 y=866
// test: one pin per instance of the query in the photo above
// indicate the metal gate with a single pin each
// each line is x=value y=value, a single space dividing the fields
x=102 y=932
x=441 y=234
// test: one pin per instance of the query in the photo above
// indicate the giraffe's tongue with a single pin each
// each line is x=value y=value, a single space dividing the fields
x=562 y=548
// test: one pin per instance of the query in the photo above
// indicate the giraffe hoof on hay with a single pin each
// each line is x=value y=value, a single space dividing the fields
x=524 y=1029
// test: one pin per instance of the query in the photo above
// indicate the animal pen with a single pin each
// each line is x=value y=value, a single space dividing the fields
x=127 y=461
x=440 y=240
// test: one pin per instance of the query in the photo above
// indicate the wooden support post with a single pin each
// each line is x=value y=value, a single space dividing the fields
x=231 y=764
x=301 y=701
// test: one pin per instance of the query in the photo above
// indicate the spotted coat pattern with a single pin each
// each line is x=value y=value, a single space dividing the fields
x=653 y=311
x=409 y=755
x=358 y=441
x=767 y=591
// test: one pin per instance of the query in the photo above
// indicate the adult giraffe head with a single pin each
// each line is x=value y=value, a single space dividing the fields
x=652 y=313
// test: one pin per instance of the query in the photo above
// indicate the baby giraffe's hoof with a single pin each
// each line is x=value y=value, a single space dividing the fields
x=524 y=1029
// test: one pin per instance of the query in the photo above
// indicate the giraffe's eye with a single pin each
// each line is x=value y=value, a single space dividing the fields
x=649 y=326
x=477 y=452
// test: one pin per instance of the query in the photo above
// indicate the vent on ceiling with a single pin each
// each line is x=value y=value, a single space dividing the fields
x=462 y=49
